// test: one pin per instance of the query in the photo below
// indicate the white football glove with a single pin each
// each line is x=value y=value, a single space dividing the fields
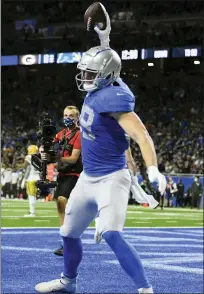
x=155 y=176
x=104 y=34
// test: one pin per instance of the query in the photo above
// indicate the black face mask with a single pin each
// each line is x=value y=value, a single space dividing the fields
x=69 y=122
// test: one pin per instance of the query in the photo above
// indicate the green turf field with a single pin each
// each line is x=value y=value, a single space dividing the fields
x=12 y=215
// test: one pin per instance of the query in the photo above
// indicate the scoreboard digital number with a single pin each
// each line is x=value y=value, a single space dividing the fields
x=154 y=53
x=46 y=58
x=181 y=52
x=129 y=54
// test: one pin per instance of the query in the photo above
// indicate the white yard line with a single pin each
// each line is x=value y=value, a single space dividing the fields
x=42 y=220
x=22 y=210
x=151 y=253
x=16 y=218
x=171 y=221
x=129 y=228
x=167 y=231
x=42 y=216
x=143 y=222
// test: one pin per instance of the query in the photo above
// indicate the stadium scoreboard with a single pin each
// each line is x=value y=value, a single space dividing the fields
x=74 y=57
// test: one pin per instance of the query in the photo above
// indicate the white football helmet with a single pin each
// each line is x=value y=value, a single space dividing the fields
x=99 y=67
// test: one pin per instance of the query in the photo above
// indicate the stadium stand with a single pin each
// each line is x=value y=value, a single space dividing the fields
x=169 y=92
x=172 y=112
x=170 y=95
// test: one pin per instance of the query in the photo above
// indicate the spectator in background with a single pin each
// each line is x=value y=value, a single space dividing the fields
x=171 y=192
x=161 y=200
x=14 y=179
x=6 y=183
x=21 y=192
x=196 y=190
x=180 y=193
x=187 y=198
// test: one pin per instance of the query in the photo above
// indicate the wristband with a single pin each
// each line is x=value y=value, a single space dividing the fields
x=105 y=42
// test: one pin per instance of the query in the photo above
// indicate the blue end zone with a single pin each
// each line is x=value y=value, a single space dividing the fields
x=173 y=259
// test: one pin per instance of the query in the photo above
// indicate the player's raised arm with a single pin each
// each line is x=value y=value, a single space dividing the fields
x=134 y=127
x=104 y=35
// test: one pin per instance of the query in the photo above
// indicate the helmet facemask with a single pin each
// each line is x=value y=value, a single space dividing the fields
x=90 y=80
x=87 y=80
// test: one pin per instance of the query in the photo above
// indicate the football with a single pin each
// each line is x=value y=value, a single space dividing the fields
x=93 y=16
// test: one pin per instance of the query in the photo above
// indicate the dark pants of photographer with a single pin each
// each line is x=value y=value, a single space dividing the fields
x=65 y=184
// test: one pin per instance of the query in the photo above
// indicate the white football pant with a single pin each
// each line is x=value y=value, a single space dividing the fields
x=107 y=195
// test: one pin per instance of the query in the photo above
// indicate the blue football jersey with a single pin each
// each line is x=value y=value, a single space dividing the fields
x=103 y=141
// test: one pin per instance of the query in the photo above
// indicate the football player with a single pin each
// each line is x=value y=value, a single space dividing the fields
x=30 y=178
x=104 y=185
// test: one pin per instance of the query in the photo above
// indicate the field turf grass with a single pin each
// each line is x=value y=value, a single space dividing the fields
x=12 y=215
x=169 y=242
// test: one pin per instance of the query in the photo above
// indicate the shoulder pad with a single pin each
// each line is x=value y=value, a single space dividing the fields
x=114 y=99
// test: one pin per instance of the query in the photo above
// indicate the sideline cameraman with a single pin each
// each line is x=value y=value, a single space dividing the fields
x=69 y=164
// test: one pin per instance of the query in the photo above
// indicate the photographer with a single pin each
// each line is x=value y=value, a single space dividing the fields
x=69 y=164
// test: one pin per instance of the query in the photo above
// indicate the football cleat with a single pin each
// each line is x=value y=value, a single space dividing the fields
x=97 y=237
x=59 y=251
x=146 y=290
x=64 y=284
x=29 y=215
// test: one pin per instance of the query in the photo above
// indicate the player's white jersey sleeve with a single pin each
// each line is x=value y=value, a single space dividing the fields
x=34 y=175
x=28 y=159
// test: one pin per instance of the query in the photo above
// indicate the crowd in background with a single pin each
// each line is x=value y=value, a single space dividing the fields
x=38 y=26
x=172 y=112
x=171 y=107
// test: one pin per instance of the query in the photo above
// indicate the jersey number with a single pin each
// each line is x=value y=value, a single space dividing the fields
x=86 y=120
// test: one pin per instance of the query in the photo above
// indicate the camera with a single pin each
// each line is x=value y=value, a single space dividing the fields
x=45 y=135
x=47 y=131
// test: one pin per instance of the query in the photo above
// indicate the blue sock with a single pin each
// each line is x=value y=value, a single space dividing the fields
x=72 y=256
x=127 y=257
